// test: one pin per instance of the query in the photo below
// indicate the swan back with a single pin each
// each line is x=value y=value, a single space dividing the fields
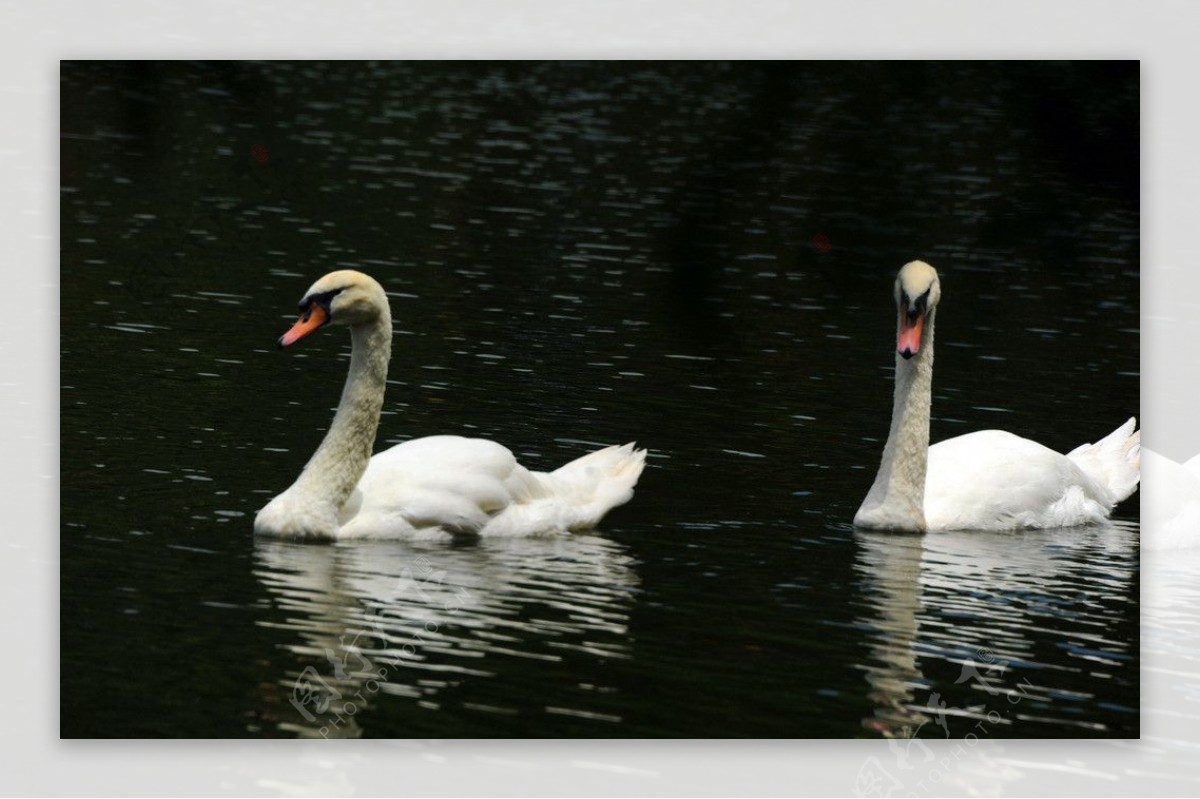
x=995 y=480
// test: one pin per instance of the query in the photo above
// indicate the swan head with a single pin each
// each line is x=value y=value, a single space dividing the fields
x=917 y=294
x=344 y=297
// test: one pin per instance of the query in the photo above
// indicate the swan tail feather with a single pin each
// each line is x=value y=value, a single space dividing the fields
x=574 y=497
x=598 y=482
x=1114 y=461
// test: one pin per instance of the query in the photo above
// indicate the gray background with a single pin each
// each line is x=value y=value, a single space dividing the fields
x=35 y=37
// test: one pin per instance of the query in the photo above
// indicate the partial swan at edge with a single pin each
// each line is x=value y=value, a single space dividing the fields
x=987 y=480
x=1170 y=502
x=428 y=486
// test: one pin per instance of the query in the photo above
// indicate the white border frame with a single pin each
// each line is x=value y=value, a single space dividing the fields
x=34 y=36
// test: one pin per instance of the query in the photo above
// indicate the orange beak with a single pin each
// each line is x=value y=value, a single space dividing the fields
x=313 y=318
x=908 y=340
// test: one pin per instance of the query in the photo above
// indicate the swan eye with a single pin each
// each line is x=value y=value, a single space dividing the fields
x=918 y=305
x=324 y=299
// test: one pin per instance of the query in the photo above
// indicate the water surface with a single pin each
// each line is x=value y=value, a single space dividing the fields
x=697 y=257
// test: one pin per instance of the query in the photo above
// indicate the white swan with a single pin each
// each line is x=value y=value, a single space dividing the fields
x=989 y=480
x=429 y=486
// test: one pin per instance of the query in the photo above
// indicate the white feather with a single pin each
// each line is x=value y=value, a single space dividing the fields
x=995 y=480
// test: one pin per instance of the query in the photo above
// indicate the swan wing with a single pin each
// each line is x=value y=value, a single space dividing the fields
x=442 y=485
x=994 y=480
x=439 y=483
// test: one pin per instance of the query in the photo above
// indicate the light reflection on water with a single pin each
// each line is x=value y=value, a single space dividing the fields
x=1166 y=758
x=981 y=609
x=1171 y=663
x=378 y=622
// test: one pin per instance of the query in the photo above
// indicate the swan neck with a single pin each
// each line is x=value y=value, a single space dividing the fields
x=898 y=494
x=339 y=462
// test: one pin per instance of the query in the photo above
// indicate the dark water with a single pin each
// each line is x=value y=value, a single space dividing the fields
x=695 y=256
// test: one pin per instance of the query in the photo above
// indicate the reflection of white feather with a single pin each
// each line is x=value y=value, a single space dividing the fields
x=1170 y=502
x=994 y=587
x=432 y=616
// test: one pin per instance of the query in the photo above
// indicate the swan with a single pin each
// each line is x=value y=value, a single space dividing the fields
x=990 y=479
x=1170 y=502
x=427 y=487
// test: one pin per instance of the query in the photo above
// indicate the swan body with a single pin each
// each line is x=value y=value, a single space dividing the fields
x=987 y=480
x=428 y=487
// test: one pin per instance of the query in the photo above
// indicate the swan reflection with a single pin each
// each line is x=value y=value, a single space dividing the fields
x=1170 y=665
x=372 y=623
x=961 y=623
x=1171 y=662
x=892 y=564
